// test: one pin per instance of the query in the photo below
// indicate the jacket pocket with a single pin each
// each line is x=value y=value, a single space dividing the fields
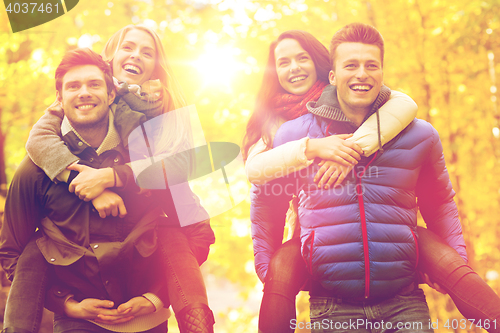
x=307 y=251
x=321 y=307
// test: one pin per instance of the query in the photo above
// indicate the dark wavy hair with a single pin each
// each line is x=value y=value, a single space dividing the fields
x=80 y=57
x=356 y=33
x=263 y=117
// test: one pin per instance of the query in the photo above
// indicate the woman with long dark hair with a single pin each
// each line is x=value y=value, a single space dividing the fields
x=295 y=74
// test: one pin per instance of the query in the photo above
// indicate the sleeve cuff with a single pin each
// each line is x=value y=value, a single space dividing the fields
x=302 y=152
x=63 y=176
x=154 y=299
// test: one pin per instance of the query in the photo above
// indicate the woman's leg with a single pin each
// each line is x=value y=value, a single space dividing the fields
x=186 y=288
x=23 y=312
x=471 y=294
x=286 y=276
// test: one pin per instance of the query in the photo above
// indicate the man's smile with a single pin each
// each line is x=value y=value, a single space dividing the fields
x=84 y=107
x=361 y=87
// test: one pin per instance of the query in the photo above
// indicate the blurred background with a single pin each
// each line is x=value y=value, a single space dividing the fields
x=444 y=54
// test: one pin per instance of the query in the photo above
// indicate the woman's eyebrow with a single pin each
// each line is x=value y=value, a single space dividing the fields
x=147 y=48
x=282 y=58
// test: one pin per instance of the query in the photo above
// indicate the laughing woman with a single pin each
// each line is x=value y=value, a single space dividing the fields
x=296 y=73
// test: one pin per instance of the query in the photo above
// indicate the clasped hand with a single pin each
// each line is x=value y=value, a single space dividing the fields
x=91 y=185
x=338 y=158
x=101 y=310
x=90 y=182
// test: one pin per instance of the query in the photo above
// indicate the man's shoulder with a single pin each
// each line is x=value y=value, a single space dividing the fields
x=415 y=143
x=420 y=130
x=294 y=129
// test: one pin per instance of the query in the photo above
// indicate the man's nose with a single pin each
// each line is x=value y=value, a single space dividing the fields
x=361 y=72
x=84 y=91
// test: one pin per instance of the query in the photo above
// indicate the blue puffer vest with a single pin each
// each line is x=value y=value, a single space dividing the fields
x=359 y=240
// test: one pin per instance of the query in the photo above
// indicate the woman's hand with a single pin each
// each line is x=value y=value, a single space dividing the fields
x=90 y=182
x=109 y=203
x=334 y=148
x=424 y=278
x=330 y=172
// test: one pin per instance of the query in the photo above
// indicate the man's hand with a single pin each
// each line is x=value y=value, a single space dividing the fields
x=334 y=148
x=424 y=278
x=90 y=182
x=95 y=309
x=109 y=203
x=135 y=307
x=330 y=172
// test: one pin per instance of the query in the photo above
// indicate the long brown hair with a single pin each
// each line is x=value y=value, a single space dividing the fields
x=263 y=118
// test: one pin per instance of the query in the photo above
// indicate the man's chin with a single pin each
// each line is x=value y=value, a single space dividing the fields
x=364 y=101
x=86 y=122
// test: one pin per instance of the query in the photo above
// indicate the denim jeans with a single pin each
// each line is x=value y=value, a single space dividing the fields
x=401 y=313
x=471 y=294
x=183 y=275
x=63 y=324
x=27 y=292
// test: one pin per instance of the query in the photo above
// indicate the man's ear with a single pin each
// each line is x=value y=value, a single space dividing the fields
x=58 y=97
x=332 y=78
x=111 y=97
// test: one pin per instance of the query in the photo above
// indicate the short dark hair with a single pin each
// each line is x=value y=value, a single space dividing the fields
x=80 y=57
x=356 y=33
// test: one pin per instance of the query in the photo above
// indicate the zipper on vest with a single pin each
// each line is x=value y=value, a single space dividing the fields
x=310 y=242
x=359 y=192
x=416 y=246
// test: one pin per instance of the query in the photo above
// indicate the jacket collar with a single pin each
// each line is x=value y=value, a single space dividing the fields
x=111 y=140
x=328 y=105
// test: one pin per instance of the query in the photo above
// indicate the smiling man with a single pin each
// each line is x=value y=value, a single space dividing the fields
x=84 y=97
x=359 y=239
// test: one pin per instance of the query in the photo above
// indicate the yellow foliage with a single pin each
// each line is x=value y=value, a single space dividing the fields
x=436 y=51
